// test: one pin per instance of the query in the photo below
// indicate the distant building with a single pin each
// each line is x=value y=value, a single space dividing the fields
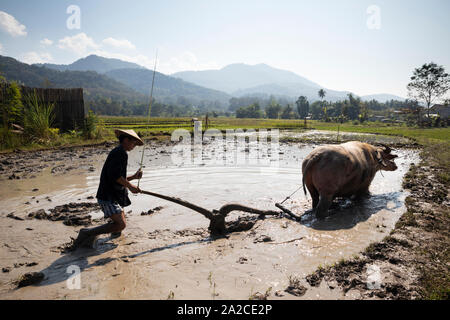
x=376 y=118
x=442 y=110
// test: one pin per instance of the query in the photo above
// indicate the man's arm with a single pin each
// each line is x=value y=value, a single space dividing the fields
x=137 y=175
x=124 y=182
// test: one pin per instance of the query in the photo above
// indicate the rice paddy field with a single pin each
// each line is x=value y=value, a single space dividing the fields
x=156 y=126
x=169 y=124
x=162 y=128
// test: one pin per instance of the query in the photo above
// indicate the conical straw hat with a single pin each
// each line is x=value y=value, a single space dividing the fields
x=129 y=133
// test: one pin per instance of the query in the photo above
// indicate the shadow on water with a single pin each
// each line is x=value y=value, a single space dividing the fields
x=58 y=271
x=346 y=213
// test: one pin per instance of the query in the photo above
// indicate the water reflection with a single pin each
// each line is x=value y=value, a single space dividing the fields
x=346 y=213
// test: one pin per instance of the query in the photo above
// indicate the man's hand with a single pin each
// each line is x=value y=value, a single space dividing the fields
x=128 y=185
x=138 y=174
x=133 y=188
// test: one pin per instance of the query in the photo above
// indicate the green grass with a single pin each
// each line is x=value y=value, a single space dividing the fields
x=165 y=126
x=422 y=135
x=221 y=123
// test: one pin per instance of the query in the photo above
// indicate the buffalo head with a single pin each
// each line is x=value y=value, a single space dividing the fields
x=385 y=158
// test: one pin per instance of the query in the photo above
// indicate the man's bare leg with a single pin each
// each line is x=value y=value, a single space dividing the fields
x=121 y=224
x=88 y=235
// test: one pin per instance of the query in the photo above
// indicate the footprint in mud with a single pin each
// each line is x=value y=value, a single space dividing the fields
x=151 y=211
x=263 y=238
x=242 y=260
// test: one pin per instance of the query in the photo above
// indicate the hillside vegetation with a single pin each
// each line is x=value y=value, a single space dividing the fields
x=95 y=85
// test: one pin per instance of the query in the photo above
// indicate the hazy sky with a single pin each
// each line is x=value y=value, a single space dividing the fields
x=361 y=46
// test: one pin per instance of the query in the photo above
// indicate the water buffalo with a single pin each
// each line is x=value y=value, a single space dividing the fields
x=343 y=170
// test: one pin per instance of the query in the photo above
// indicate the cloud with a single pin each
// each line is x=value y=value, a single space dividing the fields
x=1 y=48
x=125 y=44
x=10 y=25
x=79 y=43
x=35 y=57
x=82 y=44
x=46 y=42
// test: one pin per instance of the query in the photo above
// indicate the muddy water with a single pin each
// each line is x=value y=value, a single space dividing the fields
x=169 y=253
x=346 y=136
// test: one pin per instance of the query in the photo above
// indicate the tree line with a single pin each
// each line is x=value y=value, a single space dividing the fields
x=108 y=106
x=428 y=84
x=352 y=108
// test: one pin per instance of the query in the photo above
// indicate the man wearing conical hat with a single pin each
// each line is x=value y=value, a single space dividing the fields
x=112 y=194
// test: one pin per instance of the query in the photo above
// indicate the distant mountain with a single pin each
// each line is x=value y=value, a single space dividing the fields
x=261 y=79
x=382 y=97
x=121 y=80
x=131 y=84
x=93 y=63
x=168 y=89
x=239 y=76
x=94 y=84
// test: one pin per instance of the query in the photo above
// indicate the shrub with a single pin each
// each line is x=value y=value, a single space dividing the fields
x=9 y=140
x=90 y=124
x=38 y=118
x=101 y=130
x=436 y=121
x=12 y=108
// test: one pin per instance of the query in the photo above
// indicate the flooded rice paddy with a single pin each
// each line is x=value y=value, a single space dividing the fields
x=169 y=253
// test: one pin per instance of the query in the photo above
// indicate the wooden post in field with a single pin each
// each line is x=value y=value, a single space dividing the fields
x=338 y=133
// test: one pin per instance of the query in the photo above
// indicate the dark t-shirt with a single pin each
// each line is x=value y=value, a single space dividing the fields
x=115 y=167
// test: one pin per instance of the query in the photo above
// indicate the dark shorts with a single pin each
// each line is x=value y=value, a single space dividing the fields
x=109 y=208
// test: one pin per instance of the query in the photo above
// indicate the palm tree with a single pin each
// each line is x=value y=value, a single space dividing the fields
x=322 y=96
x=322 y=93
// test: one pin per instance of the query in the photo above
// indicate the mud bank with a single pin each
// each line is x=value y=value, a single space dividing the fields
x=71 y=214
x=56 y=162
x=413 y=261
x=332 y=137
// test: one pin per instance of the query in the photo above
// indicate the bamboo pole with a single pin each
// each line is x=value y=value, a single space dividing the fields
x=148 y=115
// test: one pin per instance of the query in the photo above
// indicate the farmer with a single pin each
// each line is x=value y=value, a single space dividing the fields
x=112 y=192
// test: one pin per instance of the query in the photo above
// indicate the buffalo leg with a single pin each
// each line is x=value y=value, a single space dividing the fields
x=323 y=206
x=361 y=194
x=314 y=195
